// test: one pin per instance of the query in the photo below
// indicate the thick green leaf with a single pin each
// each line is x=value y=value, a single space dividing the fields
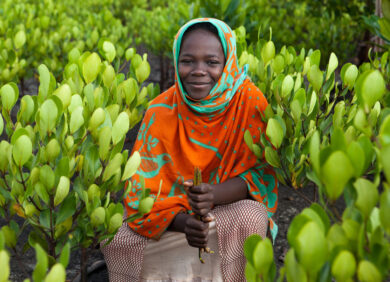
x=56 y=274
x=384 y=132
x=22 y=150
x=4 y=265
x=371 y=87
x=42 y=264
x=367 y=196
x=131 y=166
x=91 y=67
x=315 y=77
x=335 y=178
x=332 y=65
x=287 y=86
x=312 y=248
x=8 y=96
x=249 y=247
x=65 y=254
x=274 y=132
x=344 y=266
x=120 y=127
x=356 y=155
x=271 y=156
x=263 y=256
x=315 y=58
x=248 y=139
x=294 y=271
x=384 y=210
x=315 y=151
x=67 y=209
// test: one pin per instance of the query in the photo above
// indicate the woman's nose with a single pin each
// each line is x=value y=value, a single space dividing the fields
x=199 y=69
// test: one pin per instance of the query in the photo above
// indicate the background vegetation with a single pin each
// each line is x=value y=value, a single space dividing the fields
x=62 y=156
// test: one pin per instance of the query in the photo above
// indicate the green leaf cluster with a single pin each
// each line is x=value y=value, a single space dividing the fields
x=63 y=162
x=328 y=128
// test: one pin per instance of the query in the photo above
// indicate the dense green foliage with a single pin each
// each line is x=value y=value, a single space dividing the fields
x=62 y=163
x=44 y=32
x=336 y=135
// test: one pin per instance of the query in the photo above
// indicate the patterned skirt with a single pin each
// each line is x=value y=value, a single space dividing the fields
x=132 y=257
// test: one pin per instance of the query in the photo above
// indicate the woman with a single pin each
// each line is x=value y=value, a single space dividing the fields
x=199 y=122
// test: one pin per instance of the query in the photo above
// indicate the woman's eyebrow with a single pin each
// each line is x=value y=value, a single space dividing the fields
x=192 y=55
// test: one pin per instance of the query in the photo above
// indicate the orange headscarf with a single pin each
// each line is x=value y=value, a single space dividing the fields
x=178 y=134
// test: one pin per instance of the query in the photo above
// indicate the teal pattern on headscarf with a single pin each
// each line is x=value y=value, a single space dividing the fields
x=231 y=79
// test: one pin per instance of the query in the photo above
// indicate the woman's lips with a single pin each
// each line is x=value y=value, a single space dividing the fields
x=198 y=85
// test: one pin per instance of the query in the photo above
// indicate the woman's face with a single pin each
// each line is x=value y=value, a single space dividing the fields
x=201 y=62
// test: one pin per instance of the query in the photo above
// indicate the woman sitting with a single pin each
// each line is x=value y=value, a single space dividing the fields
x=198 y=122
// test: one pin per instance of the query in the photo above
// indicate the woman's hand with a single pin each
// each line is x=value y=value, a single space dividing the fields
x=197 y=232
x=200 y=198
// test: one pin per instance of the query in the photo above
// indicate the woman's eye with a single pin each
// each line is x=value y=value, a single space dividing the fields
x=185 y=61
x=213 y=62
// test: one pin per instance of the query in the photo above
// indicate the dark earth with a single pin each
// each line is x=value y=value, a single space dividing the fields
x=291 y=202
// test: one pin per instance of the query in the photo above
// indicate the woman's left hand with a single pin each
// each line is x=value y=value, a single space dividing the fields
x=200 y=198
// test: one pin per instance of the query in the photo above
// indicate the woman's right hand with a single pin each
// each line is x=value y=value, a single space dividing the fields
x=197 y=232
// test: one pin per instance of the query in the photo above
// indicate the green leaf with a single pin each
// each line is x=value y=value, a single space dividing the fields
x=249 y=247
x=296 y=110
x=113 y=166
x=104 y=142
x=65 y=254
x=287 y=85
x=315 y=58
x=120 y=127
x=350 y=75
x=332 y=65
x=1 y=125
x=250 y=273
x=313 y=102
x=263 y=256
x=367 y=196
x=335 y=178
x=311 y=247
x=8 y=96
x=271 y=156
x=56 y=274
x=67 y=209
x=314 y=150
x=91 y=67
x=371 y=87
x=22 y=150
x=367 y=271
x=294 y=271
x=344 y=266
x=386 y=9
x=275 y=132
x=296 y=225
x=44 y=82
x=109 y=51
x=315 y=77
x=4 y=265
x=76 y=119
x=384 y=132
x=131 y=166
x=248 y=139
x=385 y=27
x=384 y=210
x=356 y=155
x=48 y=115
x=42 y=264
x=338 y=141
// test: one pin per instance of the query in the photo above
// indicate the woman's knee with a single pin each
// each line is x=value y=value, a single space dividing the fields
x=253 y=217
